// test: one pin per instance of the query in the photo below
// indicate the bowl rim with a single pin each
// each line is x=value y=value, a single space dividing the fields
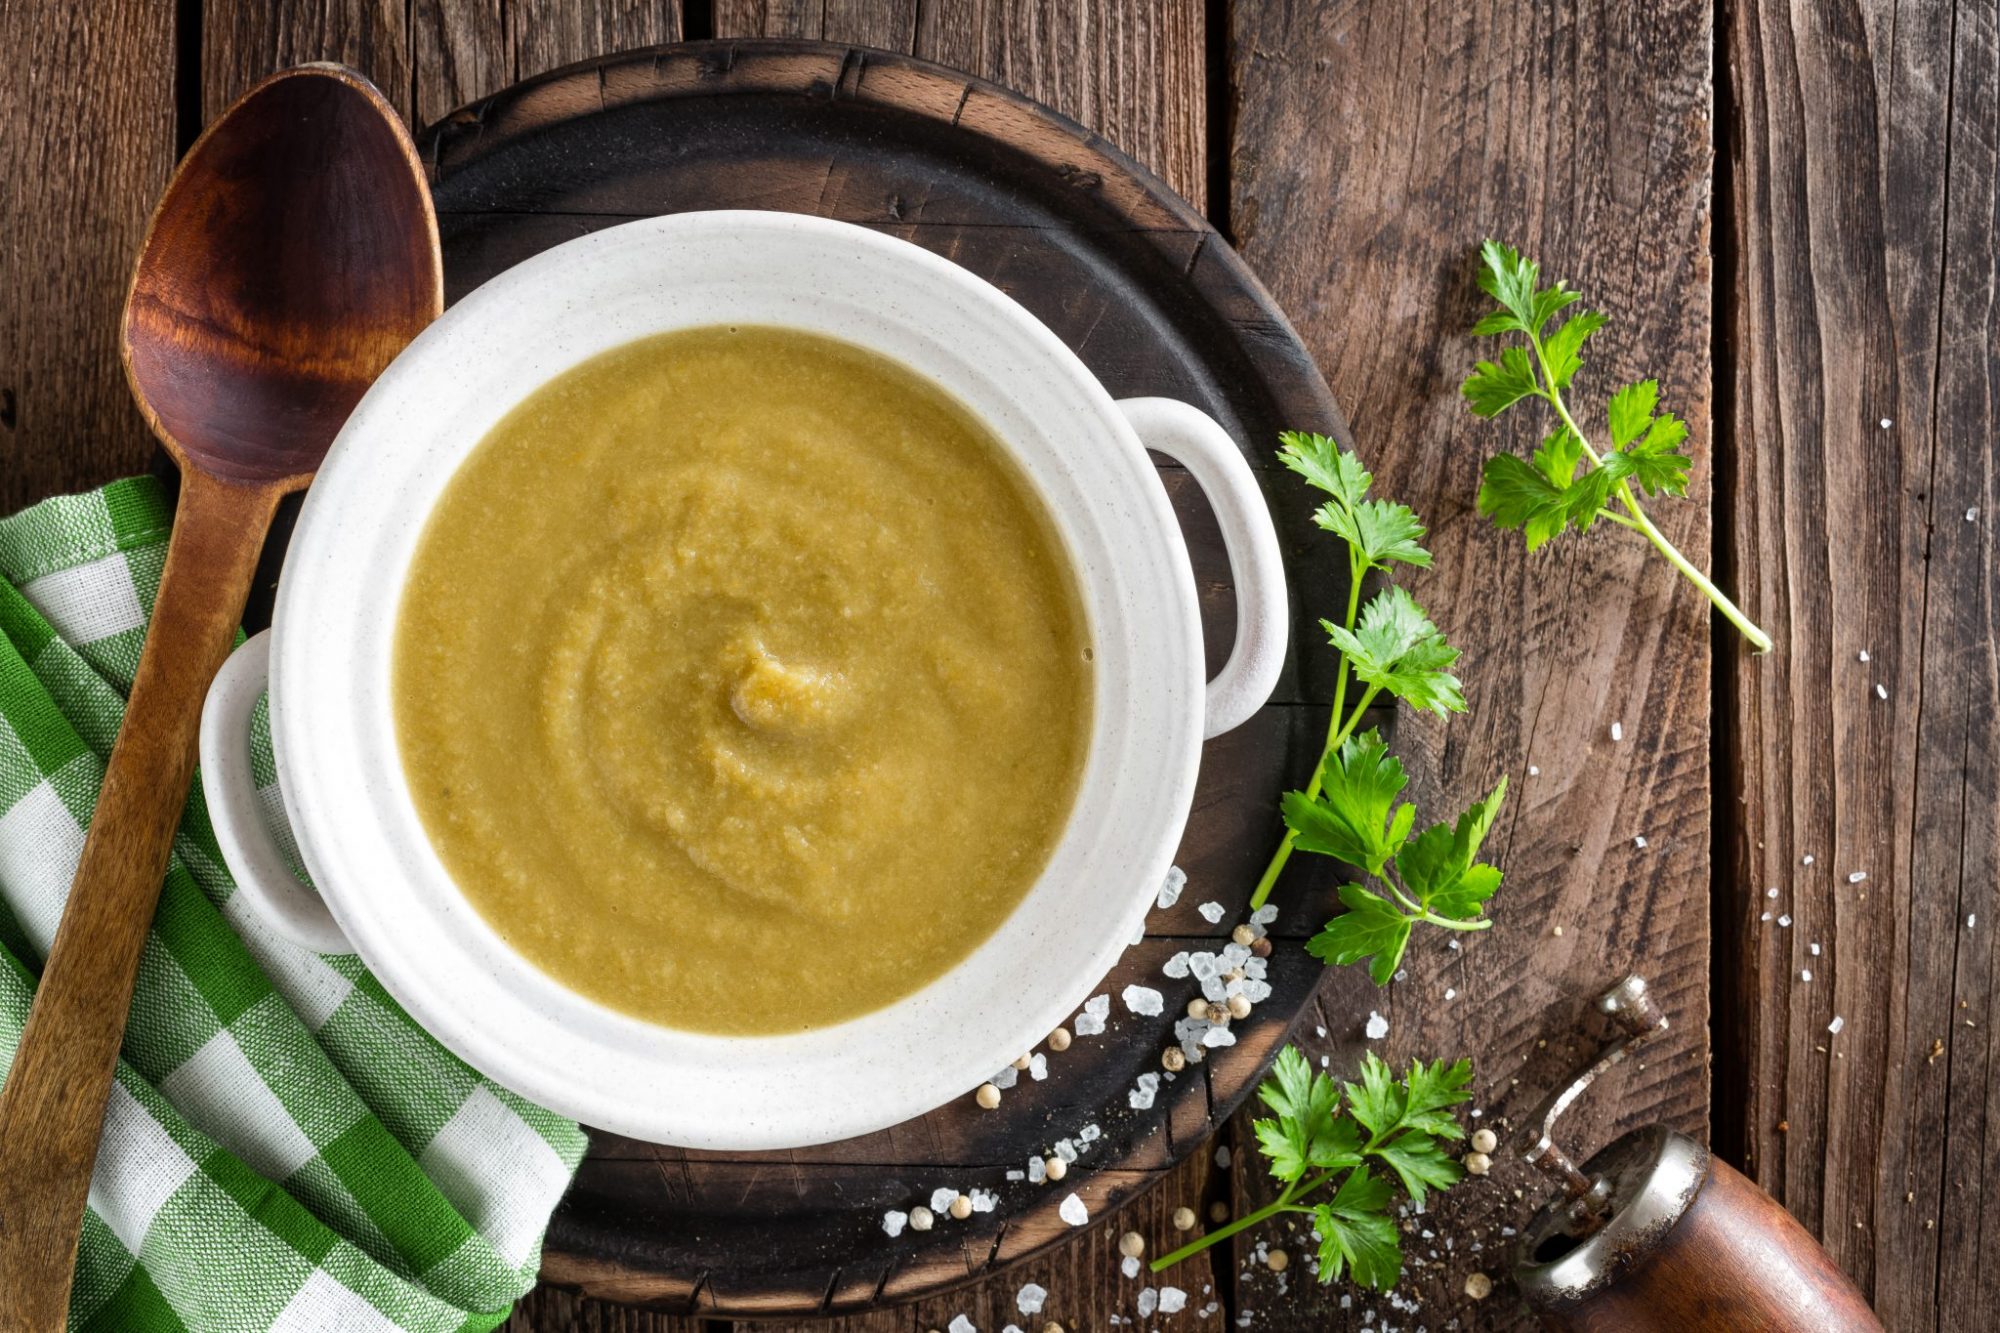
x=353 y=819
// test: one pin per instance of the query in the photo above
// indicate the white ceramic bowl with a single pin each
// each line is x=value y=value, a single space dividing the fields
x=343 y=786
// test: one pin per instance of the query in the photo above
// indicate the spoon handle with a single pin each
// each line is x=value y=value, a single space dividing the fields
x=53 y=1103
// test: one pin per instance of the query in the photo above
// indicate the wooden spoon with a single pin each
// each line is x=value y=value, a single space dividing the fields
x=294 y=255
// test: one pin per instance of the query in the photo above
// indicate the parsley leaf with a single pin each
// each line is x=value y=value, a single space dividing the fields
x=1396 y=648
x=1352 y=818
x=1370 y=927
x=1379 y=530
x=1356 y=1232
x=1438 y=867
x=1571 y=485
x=1321 y=461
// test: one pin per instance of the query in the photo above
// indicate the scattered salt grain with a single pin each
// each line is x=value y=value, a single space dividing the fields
x=1017 y=1175
x=1765 y=917
x=1038 y=1066
x=1813 y=949
x=1091 y=1021
x=1320 y=1031
x=1881 y=690
x=1149 y=1301
x=1172 y=1300
x=1144 y=1001
x=1805 y=974
x=1037 y=1171
x=1770 y=893
x=1006 y=1078
x=1029 y=1299
x=1066 y=1149
x=1170 y=888
x=1862 y=656
x=1140 y=1098
x=894 y=1221
x=1450 y=993
x=1129 y=1266
x=1534 y=772
x=1012 y=1328
x=1972 y=514
x=1377 y=1028
x=1210 y=912
x=1837 y=1024
x=1176 y=968
x=1264 y=915
x=1971 y=920
x=960 y=1324
x=1073 y=1212
x=1857 y=877
x=1089 y=1134
x=1886 y=423
x=1138 y=935
x=1639 y=842
x=941 y=1198
x=1215 y=1036
x=1617 y=731
x=1203 y=966
x=1785 y=920
x=983 y=1201
x=1806 y=860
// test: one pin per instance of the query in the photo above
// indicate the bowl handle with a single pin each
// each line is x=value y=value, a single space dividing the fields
x=1191 y=438
x=263 y=877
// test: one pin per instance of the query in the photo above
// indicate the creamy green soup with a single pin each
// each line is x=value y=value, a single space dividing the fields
x=741 y=681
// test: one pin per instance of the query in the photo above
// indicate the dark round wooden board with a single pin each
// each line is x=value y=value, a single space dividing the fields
x=1156 y=303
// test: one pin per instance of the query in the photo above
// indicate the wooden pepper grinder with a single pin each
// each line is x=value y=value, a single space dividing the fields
x=1653 y=1233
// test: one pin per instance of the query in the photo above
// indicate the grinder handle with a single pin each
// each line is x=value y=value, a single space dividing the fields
x=1736 y=1262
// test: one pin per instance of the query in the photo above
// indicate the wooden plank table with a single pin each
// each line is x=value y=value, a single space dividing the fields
x=1789 y=211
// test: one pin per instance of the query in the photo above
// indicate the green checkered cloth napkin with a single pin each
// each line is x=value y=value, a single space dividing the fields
x=285 y=1149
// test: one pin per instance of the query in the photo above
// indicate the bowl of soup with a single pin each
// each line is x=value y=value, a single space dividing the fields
x=737 y=680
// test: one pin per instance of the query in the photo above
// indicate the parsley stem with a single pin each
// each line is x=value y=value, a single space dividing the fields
x=1282 y=1204
x=1335 y=733
x=1759 y=640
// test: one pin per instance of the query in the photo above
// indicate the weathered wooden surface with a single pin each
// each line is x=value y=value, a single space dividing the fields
x=86 y=143
x=1361 y=150
x=1373 y=147
x=1862 y=286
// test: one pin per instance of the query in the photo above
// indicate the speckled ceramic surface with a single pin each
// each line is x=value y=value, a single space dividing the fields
x=343 y=783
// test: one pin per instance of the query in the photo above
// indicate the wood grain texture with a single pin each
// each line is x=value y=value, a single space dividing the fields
x=1864 y=314
x=88 y=111
x=1373 y=147
x=1132 y=70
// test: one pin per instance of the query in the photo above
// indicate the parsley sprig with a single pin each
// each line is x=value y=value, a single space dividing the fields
x=1347 y=1145
x=1570 y=484
x=1348 y=810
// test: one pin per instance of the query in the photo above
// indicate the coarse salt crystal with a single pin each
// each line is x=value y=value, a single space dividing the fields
x=1144 y=1001
x=1837 y=1024
x=1030 y=1298
x=1073 y=1212
x=1176 y=968
x=1770 y=893
x=983 y=1200
x=1172 y=1300
x=1149 y=1301
x=1138 y=935
x=1862 y=656
x=1857 y=877
x=1090 y=1021
x=1971 y=920
x=1089 y=1134
x=1210 y=912
x=960 y=1324
x=894 y=1221
x=1012 y=1328
x=1170 y=888
x=1264 y=915
x=1813 y=949
x=941 y=1198
x=1534 y=772
x=1450 y=993
x=1617 y=731
x=1806 y=860
x=1017 y=1175
x=1325 y=1061
x=1881 y=690
x=1218 y=1036
x=1141 y=1097
x=1805 y=974
x=1038 y=1066
x=1319 y=1031
x=1377 y=1028
x=1639 y=842
x=1765 y=917
x=1203 y=966
x=1785 y=920
x=1066 y=1149
x=1006 y=1078
x=1972 y=514
x=1130 y=1266
x=1038 y=1170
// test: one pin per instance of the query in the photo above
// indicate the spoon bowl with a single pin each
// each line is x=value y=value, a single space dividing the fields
x=247 y=357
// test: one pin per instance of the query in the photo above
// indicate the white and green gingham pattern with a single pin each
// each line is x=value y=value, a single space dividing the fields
x=285 y=1149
